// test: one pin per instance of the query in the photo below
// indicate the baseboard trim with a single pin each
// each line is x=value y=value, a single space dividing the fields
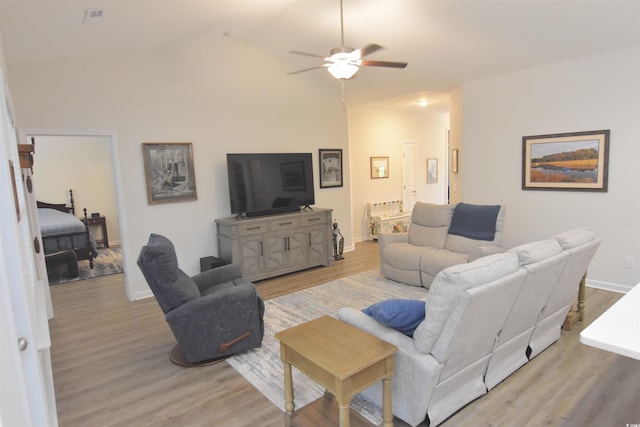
x=608 y=286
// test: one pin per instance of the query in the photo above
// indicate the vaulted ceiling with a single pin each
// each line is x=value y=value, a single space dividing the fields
x=445 y=42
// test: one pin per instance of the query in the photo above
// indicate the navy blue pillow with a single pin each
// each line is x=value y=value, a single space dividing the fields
x=403 y=315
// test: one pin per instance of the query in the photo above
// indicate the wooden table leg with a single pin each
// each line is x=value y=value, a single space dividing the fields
x=288 y=389
x=345 y=419
x=387 y=412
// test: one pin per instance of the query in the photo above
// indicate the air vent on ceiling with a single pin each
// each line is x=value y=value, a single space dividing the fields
x=93 y=16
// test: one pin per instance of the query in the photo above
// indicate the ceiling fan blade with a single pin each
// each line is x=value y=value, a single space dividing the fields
x=368 y=50
x=306 y=69
x=384 y=64
x=297 y=52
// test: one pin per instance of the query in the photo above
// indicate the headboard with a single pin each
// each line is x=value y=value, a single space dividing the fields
x=62 y=207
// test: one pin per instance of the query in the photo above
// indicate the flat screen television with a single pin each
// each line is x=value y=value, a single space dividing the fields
x=270 y=183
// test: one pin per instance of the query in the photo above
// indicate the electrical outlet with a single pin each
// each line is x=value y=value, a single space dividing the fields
x=630 y=263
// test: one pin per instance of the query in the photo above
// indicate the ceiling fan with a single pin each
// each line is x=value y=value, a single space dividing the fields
x=344 y=62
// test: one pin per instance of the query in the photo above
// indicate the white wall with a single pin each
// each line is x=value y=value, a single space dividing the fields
x=380 y=132
x=187 y=93
x=83 y=164
x=591 y=93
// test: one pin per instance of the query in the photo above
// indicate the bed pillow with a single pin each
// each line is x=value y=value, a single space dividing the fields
x=403 y=315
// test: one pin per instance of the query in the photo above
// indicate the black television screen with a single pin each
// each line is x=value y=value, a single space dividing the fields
x=268 y=183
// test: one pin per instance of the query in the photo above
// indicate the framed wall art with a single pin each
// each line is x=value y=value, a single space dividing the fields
x=454 y=160
x=330 y=168
x=379 y=167
x=576 y=161
x=168 y=169
x=432 y=171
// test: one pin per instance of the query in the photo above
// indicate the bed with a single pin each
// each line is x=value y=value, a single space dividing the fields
x=65 y=238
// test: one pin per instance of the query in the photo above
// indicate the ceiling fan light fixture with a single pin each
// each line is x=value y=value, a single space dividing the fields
x=342 y=70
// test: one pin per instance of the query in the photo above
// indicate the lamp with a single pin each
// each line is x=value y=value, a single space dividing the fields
x=345 y=62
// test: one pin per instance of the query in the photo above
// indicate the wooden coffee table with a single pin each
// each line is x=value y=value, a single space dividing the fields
x=342 y=358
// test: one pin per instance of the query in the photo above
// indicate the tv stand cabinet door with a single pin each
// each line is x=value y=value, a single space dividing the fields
x=284 y=249
x=251 y=258
x=317 y=244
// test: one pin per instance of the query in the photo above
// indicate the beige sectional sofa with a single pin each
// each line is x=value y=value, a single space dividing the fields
x=430 y=245
x=483 y=320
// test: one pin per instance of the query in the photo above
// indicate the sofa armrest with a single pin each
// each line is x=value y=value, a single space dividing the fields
x=415 y=374
x=215 y=276
x=485 y=250
x=385 y=239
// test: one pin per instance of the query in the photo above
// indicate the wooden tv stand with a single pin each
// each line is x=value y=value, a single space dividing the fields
x=272 y=245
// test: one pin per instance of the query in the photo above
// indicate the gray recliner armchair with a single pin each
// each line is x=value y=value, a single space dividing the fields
x=212 y=315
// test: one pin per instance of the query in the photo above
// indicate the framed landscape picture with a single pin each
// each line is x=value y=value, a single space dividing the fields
x=168 y=169
x=330 y=168
x=575 y=161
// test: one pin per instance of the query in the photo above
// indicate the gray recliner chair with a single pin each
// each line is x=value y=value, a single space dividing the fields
x=212 y=315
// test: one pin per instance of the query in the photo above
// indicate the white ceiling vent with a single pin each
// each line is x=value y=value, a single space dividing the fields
x=93 y=16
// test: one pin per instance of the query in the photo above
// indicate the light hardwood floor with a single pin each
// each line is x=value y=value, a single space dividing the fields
x=111 y=368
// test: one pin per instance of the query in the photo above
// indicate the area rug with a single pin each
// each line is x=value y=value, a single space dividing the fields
x=263 y=368
x=108 y=261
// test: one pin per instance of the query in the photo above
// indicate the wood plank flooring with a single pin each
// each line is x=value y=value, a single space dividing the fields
x=111 y=368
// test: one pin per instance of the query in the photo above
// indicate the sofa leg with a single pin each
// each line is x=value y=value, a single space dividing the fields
x=227 y=345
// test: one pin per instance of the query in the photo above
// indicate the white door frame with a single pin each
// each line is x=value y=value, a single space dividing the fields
x=408 y=175
x=26 y=134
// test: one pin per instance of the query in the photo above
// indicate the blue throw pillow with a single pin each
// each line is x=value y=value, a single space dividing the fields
x=403 y=315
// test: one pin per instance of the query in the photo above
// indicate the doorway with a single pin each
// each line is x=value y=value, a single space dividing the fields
x=87 y=163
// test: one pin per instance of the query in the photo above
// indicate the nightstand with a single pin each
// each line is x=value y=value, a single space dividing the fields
x=102 y=239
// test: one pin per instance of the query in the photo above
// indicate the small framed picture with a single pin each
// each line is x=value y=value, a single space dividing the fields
x=379 y=167
x=454 y=160
x=432 y=171
x=168 y=169
x=575 y=161
x=330 y=168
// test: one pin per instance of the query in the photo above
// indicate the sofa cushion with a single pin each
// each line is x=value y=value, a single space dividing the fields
x=184 y=288
x=474 y=221
x=571 y=239
x=530 y=253
x=403 y=256
x=161 y=250
x=430 y=224
x=434 y=260
x=449 y=287
x=403 y=315
x=159 y=264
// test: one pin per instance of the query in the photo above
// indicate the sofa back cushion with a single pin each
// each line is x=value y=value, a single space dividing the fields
x=466 y=245
x=430 y=224
x=159 y=265
x=449 y=289
x=581 y=245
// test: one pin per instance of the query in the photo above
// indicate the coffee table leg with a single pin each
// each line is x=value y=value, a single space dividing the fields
x=387 y=412
x=345 y=420
x=288 y=389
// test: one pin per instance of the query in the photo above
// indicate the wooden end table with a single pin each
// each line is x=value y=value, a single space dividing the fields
x=342 y=358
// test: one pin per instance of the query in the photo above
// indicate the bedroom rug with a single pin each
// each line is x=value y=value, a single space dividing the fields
x=263 y=368
x=109 y=261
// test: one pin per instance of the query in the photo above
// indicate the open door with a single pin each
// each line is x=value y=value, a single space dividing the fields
x=27 y=394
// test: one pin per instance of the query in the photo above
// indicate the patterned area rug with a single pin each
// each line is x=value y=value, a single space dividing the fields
x=109 y=261
x=263 y=368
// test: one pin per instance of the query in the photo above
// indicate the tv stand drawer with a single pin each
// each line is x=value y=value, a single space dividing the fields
x=284 y=223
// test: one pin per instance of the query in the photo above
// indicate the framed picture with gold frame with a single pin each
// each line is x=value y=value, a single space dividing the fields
x=168 y=169
x=379 y=167
x=577 y=161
